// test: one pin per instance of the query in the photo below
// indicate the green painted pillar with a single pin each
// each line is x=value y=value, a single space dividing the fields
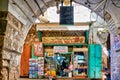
x=40 y=36
x=95 y=61
x=86 y=36
x=3 y=25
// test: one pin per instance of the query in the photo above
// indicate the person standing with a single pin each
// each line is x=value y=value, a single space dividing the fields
x=63 y=67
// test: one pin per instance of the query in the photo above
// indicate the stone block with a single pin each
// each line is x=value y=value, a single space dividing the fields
x=7 y=43
x=3 y=15
x=6 y=55
x=14 y=73
x=3 y=24
x=0 y=55
x=5 y=63
x=4 y=73
x=15 y=22
x=0 y=63
x=9 y=31
x=15 y=45
x=1 y=41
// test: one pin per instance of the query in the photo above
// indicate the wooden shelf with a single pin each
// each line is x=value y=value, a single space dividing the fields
x=83 y=67
x=80 y=76
x=65 y=44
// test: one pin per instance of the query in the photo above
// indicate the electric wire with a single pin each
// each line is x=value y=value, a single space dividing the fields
x=115 y=4
x=95 y=2
x=102 y=9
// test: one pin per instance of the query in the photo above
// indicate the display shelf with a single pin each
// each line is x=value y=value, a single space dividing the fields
x=66 y=53
x=80 y=62
x=84 y=67
x=80 y=76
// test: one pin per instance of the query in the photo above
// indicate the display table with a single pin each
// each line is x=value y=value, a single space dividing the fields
x=65 y=78
x=60 y=78
x=71 y=78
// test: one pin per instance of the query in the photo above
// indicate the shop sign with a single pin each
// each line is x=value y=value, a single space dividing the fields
x=63 y=40
x=38 y=49
x=60 y=49
x=66 y=15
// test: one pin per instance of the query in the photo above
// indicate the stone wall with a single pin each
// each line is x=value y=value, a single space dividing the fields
x=3 y=22
x=12 y=38
x=13 y=44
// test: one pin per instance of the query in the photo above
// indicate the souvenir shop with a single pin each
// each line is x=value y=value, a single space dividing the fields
x=61 y=54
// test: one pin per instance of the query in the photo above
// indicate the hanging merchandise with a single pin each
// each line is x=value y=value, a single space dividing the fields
x=38 y=49
x=40 y=62
x=33 y=68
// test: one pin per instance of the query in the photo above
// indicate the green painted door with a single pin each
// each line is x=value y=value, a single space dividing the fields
x=94 y=61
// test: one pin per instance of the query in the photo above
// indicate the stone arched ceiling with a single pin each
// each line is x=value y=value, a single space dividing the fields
x=27 y=11
x=31 y=9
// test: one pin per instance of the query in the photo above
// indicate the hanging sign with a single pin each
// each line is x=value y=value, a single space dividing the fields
x=60 y=49
x=63 y=40
x=66 y=15
x=38 y=49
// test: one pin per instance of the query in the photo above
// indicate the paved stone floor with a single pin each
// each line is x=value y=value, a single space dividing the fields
x=30 y=79
x=48 y=79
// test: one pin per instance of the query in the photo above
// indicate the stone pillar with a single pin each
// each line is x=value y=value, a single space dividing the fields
x=13 y=43
x=40 y=36
x=115 y=61
x=3 y=24
x=115 y=55
x=12 y=37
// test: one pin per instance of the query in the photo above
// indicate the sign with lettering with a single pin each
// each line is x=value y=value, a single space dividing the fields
x=63 y=40
x=60 y=49
x=66 y=15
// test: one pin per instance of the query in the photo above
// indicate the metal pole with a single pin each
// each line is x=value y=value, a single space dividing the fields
x=39 y=7
x=31 y=9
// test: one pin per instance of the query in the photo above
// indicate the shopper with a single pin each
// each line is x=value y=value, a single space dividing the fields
x=64 y=67
x=70 y=67
x=107 y=73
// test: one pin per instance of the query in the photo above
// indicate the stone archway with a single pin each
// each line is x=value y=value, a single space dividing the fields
x=13 y=32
